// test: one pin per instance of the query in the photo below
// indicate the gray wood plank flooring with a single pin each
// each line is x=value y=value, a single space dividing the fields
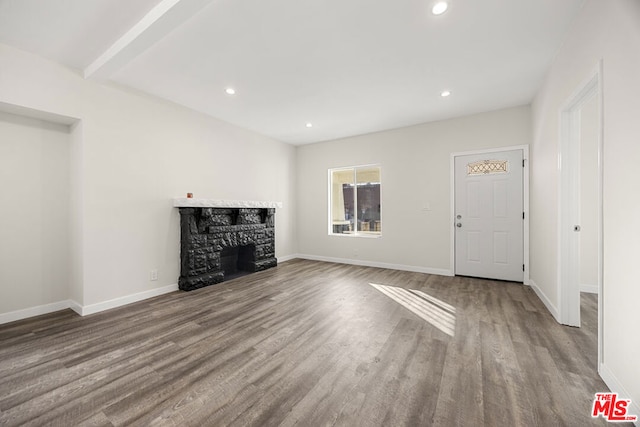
x=310 y=344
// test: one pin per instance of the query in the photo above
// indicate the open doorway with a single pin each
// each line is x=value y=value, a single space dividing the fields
x=588 y=236
x=580 y=225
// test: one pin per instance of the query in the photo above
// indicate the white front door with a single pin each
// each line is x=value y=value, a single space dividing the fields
x=489 y=215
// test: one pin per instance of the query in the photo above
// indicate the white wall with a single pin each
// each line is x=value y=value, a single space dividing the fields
x=607 y=30
x=131 y=155
x=34 y=219
x=415 y=172
x=589 y=128
x=76 y=207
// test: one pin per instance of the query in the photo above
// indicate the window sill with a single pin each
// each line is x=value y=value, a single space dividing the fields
x=363 y=234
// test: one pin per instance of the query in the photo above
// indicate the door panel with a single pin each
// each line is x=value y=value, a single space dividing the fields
x=488 y=208
x=500 y=199
x=500 y=247
x=473 y=247
x=473 y=200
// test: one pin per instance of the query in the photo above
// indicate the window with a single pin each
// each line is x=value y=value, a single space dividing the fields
x=354 y=207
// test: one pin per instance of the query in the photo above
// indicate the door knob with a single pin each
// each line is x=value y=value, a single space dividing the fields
x=459 y=224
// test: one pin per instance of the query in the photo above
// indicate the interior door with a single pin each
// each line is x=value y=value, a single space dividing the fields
x=489 y=215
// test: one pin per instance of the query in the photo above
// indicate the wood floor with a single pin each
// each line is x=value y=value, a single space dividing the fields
x=309 y=344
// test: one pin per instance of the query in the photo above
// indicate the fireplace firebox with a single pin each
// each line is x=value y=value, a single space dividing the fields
x=237 y=261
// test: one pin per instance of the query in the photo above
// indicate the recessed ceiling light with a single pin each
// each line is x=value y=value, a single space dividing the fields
x=230 y=91
x=309 y=125
x=445 y=93
x=439 y=8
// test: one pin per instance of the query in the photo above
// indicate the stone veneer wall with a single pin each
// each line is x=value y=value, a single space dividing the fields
x=205 y=232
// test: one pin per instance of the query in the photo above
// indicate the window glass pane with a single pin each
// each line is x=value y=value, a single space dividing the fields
x=368 y=199
x=355 y=201
x=342 y=200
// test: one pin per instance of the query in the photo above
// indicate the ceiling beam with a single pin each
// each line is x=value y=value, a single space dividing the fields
x=165 y=17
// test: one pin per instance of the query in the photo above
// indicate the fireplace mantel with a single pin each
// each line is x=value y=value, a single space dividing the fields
x=212 y=203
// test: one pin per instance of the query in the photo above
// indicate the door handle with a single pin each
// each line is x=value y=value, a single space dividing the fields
x=459 y=224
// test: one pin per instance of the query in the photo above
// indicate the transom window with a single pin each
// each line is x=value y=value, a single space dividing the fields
x=484 y=167
x=354 y=201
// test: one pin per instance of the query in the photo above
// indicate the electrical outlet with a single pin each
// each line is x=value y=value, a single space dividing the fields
x=153 y=275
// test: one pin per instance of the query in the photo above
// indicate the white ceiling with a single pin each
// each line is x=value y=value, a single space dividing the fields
x=347 y=66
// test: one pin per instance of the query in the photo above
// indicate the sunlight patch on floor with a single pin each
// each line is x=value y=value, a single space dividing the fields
x=438 y=313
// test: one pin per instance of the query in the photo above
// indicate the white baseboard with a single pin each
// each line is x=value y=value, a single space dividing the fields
x=287 y=257
x=615 y=386
x=591 y=289
x=128 y=299
x=365 y=263
x=552 y=308
x=12 y=316
x=75 y=306
x=84 y=310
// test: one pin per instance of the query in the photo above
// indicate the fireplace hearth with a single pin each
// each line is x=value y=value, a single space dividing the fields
x=222 y=243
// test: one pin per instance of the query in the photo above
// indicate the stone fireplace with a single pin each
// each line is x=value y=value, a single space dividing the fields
x=221 y=240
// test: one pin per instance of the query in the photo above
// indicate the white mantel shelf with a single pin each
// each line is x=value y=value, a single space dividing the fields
x=211 y=203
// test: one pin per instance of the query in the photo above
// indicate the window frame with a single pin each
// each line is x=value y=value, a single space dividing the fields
x=355 y=233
